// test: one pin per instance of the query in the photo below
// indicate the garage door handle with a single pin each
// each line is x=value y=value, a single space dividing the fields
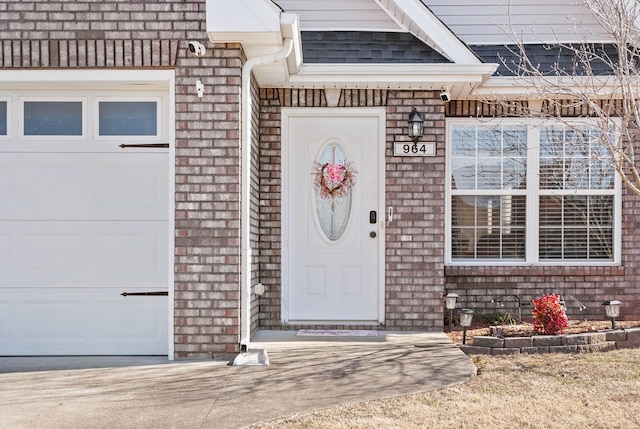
x=164 y=293
x=148 y=145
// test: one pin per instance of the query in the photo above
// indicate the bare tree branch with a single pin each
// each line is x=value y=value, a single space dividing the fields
x=602 y=77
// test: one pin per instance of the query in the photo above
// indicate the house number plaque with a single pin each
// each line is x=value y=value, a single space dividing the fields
x=414 y=149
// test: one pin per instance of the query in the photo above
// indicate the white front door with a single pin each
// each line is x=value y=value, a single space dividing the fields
x=333 y=218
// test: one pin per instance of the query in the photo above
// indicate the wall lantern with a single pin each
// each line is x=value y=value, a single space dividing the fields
x=613 y=310
x=450 y=304
x=466 y=316
x=415 y=125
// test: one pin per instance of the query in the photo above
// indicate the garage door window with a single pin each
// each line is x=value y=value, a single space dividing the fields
x=3 y=118
x=128 y=118
x=53 y=118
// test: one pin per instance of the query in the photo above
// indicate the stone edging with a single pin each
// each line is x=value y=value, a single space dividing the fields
x=566 y=343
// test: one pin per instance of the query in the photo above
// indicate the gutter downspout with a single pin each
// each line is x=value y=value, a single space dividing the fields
x=245 y=219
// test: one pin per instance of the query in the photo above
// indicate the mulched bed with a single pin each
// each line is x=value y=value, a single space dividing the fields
x=525 y=329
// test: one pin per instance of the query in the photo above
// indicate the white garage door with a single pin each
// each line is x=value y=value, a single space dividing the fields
x=83 y=220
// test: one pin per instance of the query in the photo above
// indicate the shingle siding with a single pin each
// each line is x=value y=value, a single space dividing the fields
x=548 y=59
x=366 y=48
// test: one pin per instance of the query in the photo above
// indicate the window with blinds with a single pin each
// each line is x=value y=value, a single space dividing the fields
x=527 y=193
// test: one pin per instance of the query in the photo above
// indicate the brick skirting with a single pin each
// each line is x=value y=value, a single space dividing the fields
x=570 y=343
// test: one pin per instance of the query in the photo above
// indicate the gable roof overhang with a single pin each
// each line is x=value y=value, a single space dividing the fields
x=461 y=80
x=416 y=17
x=555 y=87
x=261 y=26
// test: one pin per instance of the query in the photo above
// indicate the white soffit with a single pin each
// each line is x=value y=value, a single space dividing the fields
x=420 y=21
x=461 y=80
x=248 y=21
x=261 y=27
x=341 y=15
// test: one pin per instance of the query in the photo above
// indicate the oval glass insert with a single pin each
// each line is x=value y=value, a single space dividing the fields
x=333 y=191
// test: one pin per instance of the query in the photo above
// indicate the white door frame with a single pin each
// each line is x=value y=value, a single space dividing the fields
x=288 y=113
x=119 y=79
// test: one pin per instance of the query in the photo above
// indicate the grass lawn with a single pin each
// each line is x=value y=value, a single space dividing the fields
x=595 y=390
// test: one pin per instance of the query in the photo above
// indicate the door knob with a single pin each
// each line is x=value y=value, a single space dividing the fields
x=372 y=234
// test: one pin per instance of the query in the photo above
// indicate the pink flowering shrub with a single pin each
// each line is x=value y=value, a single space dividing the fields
x=548 y=315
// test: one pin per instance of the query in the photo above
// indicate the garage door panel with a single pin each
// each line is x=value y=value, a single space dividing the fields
x=132 y=254
x=102 y=186
x=87 y=321
x=77 y=253
x=53 y=321
x=52 y=254
x=5 y=321
x=6 y=252
x=139 y=318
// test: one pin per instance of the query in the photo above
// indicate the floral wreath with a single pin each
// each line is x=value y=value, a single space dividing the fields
x=333 y=179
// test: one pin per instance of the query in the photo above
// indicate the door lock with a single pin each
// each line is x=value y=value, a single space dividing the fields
x=372 y=234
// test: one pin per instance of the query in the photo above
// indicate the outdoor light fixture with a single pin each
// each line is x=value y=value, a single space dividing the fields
x=466 y=316
x=613 y=310
x=450 y=304
x=415 y=125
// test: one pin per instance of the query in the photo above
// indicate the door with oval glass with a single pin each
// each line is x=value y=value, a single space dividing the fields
x=333 y=239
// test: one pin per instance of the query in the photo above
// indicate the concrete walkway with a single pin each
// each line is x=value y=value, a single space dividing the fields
x=144 y=392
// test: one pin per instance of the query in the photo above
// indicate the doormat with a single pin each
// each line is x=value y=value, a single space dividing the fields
x=335 y=333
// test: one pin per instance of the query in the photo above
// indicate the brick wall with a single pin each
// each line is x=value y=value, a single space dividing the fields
x=113 y=34
x=207 y=242
x=590 y=285
x=415 y=239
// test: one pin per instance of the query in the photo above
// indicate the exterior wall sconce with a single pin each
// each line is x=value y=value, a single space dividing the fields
x=415 y=125
x=612 y=308
x=450 y=304
x=466 y=316
x=199 y=88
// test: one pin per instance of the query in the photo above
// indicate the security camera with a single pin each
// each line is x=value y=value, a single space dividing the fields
x=445 y=95
x=197 y=48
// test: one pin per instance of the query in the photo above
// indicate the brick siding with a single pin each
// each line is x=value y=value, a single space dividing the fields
x=77 y=34
x=414 y=280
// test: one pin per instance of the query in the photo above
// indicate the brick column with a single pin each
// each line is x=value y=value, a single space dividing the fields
x=415 y=237
x=207 y=247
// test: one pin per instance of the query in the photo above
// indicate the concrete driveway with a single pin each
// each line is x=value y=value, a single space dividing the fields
x=152 y=392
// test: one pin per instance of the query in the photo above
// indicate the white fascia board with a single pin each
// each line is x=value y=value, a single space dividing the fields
x=416 y=14
x=514 y=87
x=454 y=72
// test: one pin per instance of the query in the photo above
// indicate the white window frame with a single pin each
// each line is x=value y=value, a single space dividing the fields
x=54 y=99
x=9 y=118
x=160 y=121
x=532 y=198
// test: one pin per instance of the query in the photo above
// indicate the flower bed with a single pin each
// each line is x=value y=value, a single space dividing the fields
x=587 y=336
